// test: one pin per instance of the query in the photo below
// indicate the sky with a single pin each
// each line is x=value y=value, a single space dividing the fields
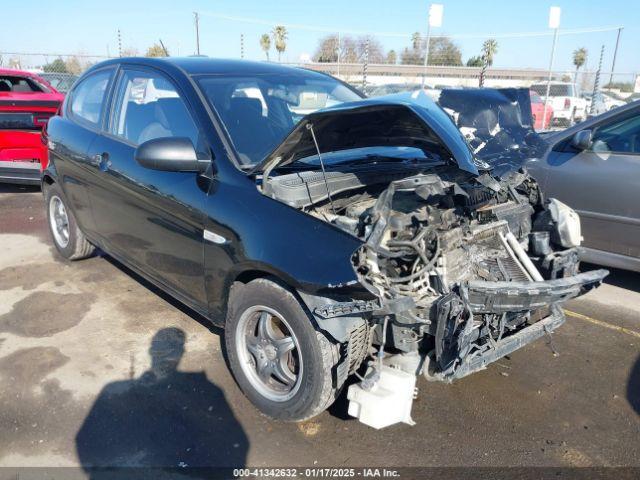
x=71 y=27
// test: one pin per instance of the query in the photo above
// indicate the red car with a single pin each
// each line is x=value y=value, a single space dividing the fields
x=537 y=109
x=26 y=104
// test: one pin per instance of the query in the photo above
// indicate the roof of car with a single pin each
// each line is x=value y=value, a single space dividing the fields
x=17 y=73
x=205 y=65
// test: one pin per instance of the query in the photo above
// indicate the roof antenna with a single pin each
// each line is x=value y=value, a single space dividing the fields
x=324 y=174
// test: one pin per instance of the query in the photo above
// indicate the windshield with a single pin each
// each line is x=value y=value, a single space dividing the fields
x=259 y=111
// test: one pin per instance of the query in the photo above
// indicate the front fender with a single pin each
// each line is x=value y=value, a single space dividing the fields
x=268 y=238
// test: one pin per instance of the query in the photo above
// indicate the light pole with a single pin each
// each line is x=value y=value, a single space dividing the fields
x=339 y=49
x=366 y=66
x=554 y=22
x=596 y=84
x=615 y=54
x=197 y=23
x=434 y=20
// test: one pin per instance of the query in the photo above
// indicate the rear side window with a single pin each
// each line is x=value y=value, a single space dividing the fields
x=148 y=106
x=87 y=99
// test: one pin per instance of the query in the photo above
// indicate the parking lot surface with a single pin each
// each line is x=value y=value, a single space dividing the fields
x=88 y=375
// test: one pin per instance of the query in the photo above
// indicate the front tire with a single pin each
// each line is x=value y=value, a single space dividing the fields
x=279 y=360
x=67 y=236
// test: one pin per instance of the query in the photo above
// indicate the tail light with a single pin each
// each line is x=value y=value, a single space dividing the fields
x=567 y=104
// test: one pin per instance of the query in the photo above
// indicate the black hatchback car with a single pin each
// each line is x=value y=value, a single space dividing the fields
x=315 y=226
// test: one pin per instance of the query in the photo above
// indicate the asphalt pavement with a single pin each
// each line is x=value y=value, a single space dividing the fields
x=81 y=342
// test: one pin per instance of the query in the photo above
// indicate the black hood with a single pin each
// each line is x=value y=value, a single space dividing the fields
x=402 y=120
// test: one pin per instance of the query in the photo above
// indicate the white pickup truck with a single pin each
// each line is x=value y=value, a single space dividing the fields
x=566 y=100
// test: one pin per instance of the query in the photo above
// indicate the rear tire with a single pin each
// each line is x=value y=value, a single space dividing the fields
x=67 y=236
x=292 y=383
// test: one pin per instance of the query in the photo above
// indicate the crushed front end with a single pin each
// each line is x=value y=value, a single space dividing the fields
x=462 y=260
x=469 y=271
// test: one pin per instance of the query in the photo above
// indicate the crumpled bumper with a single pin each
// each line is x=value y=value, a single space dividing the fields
x=502 y=297
x=510 y=344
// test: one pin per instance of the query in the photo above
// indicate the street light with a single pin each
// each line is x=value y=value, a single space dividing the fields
x=554 y=22
x=435 y=20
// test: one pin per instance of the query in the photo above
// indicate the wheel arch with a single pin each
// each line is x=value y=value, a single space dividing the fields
x=49 y=175
x=47 y=179
x=220 y=292
x=338 y=329
x=243 y=276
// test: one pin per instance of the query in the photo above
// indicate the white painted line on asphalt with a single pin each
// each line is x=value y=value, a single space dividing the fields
x=617 y=328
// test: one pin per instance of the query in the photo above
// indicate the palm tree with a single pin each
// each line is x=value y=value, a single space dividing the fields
x=279 y=34
x=579 y=59
x=265 y=44
x=489 y=49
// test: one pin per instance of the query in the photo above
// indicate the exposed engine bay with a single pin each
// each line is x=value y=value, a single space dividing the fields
x=429 y=236
x=461 y=269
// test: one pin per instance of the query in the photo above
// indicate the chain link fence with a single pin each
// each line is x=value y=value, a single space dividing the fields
x=386 y=63
x=60 y=70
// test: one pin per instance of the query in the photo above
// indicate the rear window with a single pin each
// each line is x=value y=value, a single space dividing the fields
x=17 y=84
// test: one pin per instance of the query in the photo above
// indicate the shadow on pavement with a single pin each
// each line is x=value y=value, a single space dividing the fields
x=619 y=278
x=164 y=418
x=16 y=188
x=633 y=387
x=177 y=304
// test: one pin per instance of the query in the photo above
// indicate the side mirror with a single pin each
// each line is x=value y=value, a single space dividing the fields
x=582 y=140
x=170 y=154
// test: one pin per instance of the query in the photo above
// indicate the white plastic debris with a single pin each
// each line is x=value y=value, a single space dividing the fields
x=568 y=223
x=387 y=402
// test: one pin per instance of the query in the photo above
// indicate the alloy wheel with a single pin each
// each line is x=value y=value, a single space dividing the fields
x=59 y=221
x=269 y=353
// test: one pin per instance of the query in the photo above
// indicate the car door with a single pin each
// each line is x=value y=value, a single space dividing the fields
x=70 y=137
x=602 y=184
x=152 y=219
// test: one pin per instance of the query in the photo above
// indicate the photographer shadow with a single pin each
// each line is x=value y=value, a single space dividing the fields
x=164 y=418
